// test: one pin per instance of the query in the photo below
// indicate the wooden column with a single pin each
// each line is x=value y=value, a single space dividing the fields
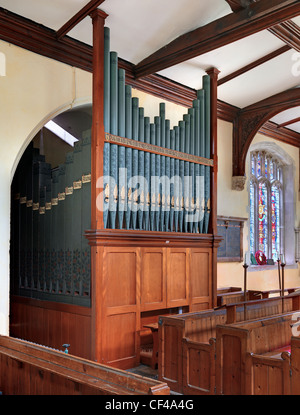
x=97 y=145
x=213 y=74
x=98 y=133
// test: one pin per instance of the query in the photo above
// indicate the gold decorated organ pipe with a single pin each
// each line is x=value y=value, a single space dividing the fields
x=128 y=152
x=141 y=170
x=157 y=173
x=176 y=182
x=191 y=113
x=168 y=178
x=152 y=179
x=201 y=97
x=147 y=175
x=187 y=184
x=162 y=115
x=135 y=161
x=172 y=184
x=181 y=173
x=113 y=189
x=122 y=185
x=196 y=106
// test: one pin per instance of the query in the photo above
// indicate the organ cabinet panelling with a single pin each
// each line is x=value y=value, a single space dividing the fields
x=178 y=277
x=121 y=308
x=200 y=279
x=153 y=278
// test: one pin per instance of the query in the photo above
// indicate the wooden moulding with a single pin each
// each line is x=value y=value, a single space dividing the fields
x=114 y=237
x=59 y=373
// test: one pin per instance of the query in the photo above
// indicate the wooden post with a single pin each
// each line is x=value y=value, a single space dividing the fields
x=278 y=264
x=213 y=73
x=282 y=283
x=245 y=266
x=98 y=133
x=97 y=146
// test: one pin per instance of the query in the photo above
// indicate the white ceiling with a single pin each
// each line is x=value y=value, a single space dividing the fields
x=139 y=28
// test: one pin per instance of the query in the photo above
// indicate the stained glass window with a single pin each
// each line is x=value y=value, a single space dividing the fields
x=265 y=205
x=263 y=218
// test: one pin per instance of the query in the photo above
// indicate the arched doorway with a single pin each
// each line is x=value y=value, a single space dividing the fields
x=49 y=255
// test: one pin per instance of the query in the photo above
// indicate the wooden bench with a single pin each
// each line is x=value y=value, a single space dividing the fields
x=295 y=366
x=234 y=296
x=223 y=290
x=29 y=369
x=187 y=347
x=237 y=296
x=270 y=293
x=250 y=358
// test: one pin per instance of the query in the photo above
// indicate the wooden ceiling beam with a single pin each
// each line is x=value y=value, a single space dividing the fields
x=230 y=28
x=288 y=122
x=254 y=64
x=84 y=12
x=288 y=32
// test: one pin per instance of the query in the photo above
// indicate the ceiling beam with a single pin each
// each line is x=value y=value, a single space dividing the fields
x=254 y=64
x=228 y=29
x=84 y=12
x=288 y=122
x=288 y=32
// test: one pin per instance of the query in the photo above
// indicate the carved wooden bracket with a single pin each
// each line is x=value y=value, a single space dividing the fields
x=249 y=120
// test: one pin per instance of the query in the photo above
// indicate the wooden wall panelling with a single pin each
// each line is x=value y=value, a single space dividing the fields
x=153 y=279
x=52 y=324
x=178 y=277
x=200 y=277
x=121 y=306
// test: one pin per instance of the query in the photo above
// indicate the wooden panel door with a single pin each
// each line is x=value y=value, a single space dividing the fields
x=200 y=279
x=177 y=277
x=153 y=279
x=121 y=309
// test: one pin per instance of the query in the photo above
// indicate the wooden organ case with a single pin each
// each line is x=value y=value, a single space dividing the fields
x=147 y=237
x=154 y=230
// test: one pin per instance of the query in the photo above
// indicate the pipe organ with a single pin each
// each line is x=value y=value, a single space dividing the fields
x=152 y=249
x=51 y=209
x=156 y=178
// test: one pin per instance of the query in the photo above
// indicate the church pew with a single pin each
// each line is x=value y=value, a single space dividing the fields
x=223 y=290
x=269 y=293
x=29 y=369
x=295 y=365
x=237 y=296
x=186 y=346
x=269 y=373
x=249 y=357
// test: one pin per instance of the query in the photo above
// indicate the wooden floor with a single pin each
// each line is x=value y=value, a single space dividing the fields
x=148 y=372
x=144 y=370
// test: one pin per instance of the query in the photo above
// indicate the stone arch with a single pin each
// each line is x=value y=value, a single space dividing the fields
x=58 y=111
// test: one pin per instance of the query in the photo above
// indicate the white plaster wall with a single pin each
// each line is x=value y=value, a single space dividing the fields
x=33 y=90
x=235 y=203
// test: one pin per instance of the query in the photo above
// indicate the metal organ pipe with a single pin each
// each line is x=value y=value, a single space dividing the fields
x=159 y=181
